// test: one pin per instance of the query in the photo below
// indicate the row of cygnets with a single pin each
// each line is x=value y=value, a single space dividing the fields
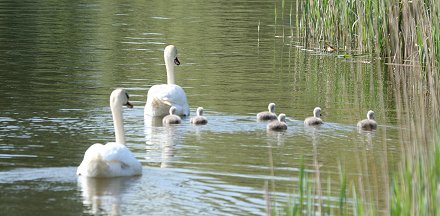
x=279 y=123
x=276 y=123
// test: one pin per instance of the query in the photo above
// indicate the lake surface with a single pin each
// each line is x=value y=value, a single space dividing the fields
x=59 y=62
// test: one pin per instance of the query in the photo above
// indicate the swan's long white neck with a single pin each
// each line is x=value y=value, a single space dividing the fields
x=169 y=64
x=118 y=122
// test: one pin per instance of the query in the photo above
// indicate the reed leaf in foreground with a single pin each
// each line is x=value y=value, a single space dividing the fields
x=415 y=190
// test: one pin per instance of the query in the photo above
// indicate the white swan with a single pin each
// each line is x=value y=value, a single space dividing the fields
x=369 y=123
x=172 y=118
x=315 y=119
x=112 y=159
x=199 y=119
x=161 y=97
x=278 y=125
x=267 y=115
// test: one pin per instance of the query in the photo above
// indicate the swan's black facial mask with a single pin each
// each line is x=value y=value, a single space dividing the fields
x=128 y=104
x=176 y=61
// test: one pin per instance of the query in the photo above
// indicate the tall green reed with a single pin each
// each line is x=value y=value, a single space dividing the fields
x=401 y=31
x=305 y=200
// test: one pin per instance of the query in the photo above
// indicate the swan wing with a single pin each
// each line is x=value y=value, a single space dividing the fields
x=92 y=164
x=313 y=121
x=367 y=124
x=110 y=160
x=161 y=97
x=120 y=160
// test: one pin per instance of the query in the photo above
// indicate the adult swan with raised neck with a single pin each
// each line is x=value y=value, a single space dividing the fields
x=161 y=97
x=113 y=159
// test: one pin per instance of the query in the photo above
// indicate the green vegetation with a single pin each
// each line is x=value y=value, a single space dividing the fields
x=414 y=191
x=401 y=31
x=310 y=200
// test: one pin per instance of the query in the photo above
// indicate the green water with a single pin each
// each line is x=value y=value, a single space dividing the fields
x=60 y=60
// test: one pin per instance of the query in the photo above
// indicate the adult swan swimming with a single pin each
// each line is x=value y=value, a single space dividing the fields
x=112 y=159
x=161 y=97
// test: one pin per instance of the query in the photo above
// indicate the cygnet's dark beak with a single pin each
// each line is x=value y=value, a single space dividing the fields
x=176 y=61
x=129 y=105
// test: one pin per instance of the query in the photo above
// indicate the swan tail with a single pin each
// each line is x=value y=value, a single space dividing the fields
x=168 y=103
x=157 y=106
x=161 y=103
x=95 y=167
x=118 y=163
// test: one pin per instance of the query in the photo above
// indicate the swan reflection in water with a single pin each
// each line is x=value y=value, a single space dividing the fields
x=161 y=137
x=105 y=195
